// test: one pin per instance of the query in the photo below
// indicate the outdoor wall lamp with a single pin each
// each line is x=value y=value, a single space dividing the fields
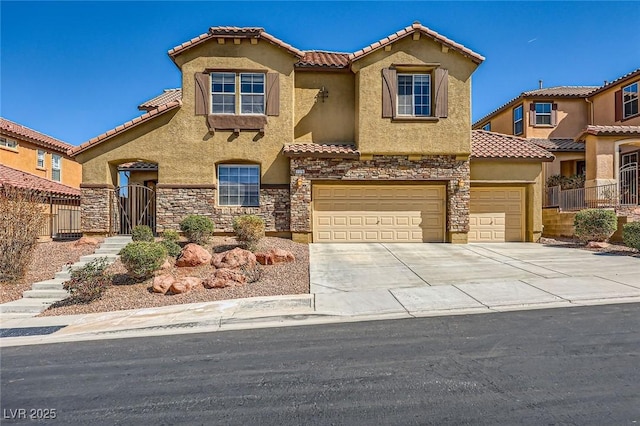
x=460 y=183
x=299 y=182
x=322 y=94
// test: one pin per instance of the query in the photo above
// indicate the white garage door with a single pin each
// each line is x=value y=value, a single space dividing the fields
x=378 y=213
x=497 y=215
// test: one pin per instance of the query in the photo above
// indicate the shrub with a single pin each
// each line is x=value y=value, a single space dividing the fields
x=566 y=182
x=595 y=224
x=249 y=230
x=197 y=229
x=171 y=235
x=23 y=217
x=142 y=233
x=89 y=282
x=173 y=249
x=631 y=235
x=142 y=258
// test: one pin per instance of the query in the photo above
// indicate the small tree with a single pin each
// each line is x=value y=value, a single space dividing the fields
x=249 y=230
x=595 y=224
x=89 y=282
x=22 y=218
x=197 y=229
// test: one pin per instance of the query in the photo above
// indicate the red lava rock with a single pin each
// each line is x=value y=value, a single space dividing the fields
x=184 y=285
x=274 y=256
x=86 y=241
x=225 y=277
x=193 y=255
x=233 y=259
x=597 y=244
x=162 y=283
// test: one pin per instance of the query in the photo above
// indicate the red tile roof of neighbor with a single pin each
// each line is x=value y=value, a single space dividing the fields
x=320 y=58
x=491 y=145
x=18 y=131
x=19 y=179
x=320 y=150
x=168 y=95
x=624 y=78
x=559 y=145
x=129 y=124
x=610 y=131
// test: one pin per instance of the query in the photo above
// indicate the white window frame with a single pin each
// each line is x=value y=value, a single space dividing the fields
x=239 y=93
x=487 y=127
x=413 y=95
x=8 y=143
x=56 y=166
x=542 y=114
x=520 y=120
x=631 y=98
x=40 y=158
x=629 y=158
x=237 y=193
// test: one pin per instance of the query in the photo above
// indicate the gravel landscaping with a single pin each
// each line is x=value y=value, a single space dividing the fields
x=610 y=248
x=48 y=258
x=279 y=279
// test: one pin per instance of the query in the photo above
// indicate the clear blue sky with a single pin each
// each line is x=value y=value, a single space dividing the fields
x=76 y=69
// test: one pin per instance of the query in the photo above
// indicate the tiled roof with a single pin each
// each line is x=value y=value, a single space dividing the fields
x=15 y=130
x=559 y=145
x=235 y=32
x=121 y=128
x=319 y=58
x=19 y=179
x=611 y=131
x=628 y=76
x=138 y=165
x=498 y=146
x=417 y=27
x=320 y=150
x=550 y=92
x=169 y=95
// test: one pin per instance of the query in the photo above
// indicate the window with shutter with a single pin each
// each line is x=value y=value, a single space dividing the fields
x=630 y=100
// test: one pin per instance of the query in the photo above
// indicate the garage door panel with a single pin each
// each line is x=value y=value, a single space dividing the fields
x=497 y=214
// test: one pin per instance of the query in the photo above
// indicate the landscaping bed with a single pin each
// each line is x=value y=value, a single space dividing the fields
x=48 y=258
x=278 y=279
x=609 y=248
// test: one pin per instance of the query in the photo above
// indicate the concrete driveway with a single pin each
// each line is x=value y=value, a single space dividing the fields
x=375 y=278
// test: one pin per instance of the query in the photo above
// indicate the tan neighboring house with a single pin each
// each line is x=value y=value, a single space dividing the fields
x=370 y=146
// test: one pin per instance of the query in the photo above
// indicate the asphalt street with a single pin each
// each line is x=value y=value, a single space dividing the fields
x=556 y=366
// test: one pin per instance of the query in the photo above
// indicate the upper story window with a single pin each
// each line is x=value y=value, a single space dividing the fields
x=543 y=113
x=239 y=185
x=487 y=127
x=56 y=167
x=8 y=143
x=414 y=95
x=40 y=159
x=227 y=88
x=630 y=100
x=518 y=122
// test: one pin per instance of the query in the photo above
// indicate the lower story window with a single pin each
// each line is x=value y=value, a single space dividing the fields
x=238 y=185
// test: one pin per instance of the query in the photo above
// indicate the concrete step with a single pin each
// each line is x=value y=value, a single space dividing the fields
x=74 y=266
x=15 y=315
x=91 y=257
x=62 y=275
x=117 y=240
x=114 y=245
x=26 y=306
x=55 y=284
x=45 y=294
x=107 y=251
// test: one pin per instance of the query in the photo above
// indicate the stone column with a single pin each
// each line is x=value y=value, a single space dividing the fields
x=95 y=201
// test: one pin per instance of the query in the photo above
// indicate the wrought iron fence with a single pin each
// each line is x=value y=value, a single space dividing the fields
x=604 y=196
x=63 y=217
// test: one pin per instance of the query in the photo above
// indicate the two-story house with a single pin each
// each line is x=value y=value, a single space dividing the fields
x=374 y=145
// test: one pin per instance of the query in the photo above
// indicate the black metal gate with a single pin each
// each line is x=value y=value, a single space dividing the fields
x=133 y=205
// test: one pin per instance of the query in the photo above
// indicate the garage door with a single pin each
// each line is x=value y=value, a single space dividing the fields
x=497 y=215
x=378 y=213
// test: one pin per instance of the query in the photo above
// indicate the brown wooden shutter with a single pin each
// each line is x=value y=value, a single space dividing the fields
x=442 y=92
x=618 y=105
x=554 y=114
x=389 y=85
x=202 y=93
x=532 y=114
x=273 y=94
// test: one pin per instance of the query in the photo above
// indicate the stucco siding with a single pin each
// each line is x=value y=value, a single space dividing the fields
x=604 y=107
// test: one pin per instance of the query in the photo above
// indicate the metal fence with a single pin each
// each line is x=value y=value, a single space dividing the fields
x=63 y=217
x=604 y=196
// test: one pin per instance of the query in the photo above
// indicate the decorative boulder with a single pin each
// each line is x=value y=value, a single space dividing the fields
x=225 y=277
x=597 y=244
x=193 y=255
x=162 y=283
x=86 y=241
x=233 y=259
x=184 y=285
x=274 y=256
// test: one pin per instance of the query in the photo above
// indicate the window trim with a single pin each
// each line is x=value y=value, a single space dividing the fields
x=5 y=142
x=238 y=94
x=413 y=115
x=542 y=114
x=212 y=93
x=521 y=120
x=39 y=165
x=249 y=195
x=54 y=169
x=636 y=100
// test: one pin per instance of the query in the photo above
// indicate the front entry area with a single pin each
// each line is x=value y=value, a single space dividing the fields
x=497 y=214
x=354 y=213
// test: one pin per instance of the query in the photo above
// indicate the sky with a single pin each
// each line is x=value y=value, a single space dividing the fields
x=74 y=70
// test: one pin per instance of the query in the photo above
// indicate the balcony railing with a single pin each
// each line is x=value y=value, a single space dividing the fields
x=604 y=196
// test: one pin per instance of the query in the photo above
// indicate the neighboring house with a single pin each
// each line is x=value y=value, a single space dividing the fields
x=374 y=145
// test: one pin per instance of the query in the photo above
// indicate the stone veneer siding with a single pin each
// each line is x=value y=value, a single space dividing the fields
x=95 y=209
x=174 y=204
x=443 y=168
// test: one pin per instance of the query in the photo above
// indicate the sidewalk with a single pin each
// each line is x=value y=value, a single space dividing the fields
x=321 y=308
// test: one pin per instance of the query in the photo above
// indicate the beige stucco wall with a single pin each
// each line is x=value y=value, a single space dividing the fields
x=451 y=135
x=179 y=141
x=600 y=159
x=25 y=159
x=515 y=174
x=554 y=168
x=604 y=107
x=331 y=120
x=502 y=122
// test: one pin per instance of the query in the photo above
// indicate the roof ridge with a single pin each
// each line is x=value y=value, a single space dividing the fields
x=326 y=51
x=33 y=130
x=37 y=178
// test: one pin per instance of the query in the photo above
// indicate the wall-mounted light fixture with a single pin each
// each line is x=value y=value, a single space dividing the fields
x=322 y=94
x=299 y=182
x=460 y=183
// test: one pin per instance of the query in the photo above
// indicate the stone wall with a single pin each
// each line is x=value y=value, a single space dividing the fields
x=95 y=209
x=443 y=168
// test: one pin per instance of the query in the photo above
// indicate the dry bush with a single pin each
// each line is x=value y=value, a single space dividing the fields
x=22 y=218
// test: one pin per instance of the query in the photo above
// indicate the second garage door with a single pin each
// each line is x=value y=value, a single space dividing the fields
x=497 y=215
x=378 y=213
